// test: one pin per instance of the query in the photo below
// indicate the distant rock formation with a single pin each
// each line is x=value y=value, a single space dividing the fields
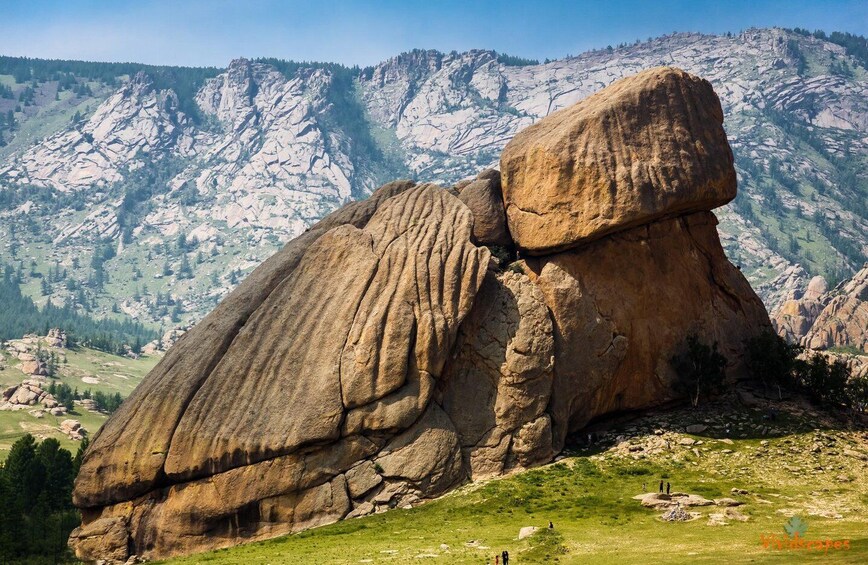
x=823 y=319
x=797 y=314
x=384 y=356
x=28 y=394
x=844 y=320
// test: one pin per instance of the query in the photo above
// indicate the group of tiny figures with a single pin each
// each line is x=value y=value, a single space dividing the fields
x=668 y=486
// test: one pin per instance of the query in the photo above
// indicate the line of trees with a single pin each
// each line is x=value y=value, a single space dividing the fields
x=776 y=364
x=20 y=316
x=855 y=45
x=184 y=81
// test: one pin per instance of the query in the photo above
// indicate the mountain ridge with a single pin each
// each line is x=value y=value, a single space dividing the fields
x=273 y=151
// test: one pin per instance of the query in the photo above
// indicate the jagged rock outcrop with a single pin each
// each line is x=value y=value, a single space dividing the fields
x=843 y=322
x=137 y=119
x=821 y=318
x=383 y=358
x=26 y=395
x=797 y=314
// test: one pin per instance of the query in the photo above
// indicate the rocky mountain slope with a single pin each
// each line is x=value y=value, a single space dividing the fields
x=821 y=318
x=385 y=357
x=154 y=210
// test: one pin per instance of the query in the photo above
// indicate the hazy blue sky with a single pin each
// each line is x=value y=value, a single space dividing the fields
x=212 y=32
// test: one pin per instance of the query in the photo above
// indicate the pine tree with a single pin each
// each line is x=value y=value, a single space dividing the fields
x=24 y=471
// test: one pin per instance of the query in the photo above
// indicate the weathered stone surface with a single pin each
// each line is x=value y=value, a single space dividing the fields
x=648 y=146
x=106 y=537
x=34 y=367
x=364 y=316
x=290 y=394
x=820 y=318
x=501 y=378
x=427 y=455
x=73 y=429
x=817 y=287
x=794 y=318
x=614 y=339
x=483 y=197
x=125 y=461
x=362 y=478
x=797 y=314
x=23 y=396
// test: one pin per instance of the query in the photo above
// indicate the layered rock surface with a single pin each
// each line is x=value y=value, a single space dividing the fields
x=383 y=357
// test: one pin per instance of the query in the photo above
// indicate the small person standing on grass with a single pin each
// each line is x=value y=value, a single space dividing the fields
x=661 y=486
x=667 y=487
x=505 y=557
x=643 y=487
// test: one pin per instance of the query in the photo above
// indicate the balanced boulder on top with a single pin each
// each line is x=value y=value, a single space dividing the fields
x=649 y=146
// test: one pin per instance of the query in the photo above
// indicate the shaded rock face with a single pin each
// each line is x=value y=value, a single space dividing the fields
x=384 y=357
x=614 y=339
x=648 y=146
x=497 y=388
x=483 y=197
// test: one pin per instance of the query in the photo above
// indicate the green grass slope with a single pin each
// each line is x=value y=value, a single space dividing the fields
x=801 y=464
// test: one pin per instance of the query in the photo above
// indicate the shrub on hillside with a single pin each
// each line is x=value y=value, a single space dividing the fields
x=775 y=363
x=772 y=361
x=824 y=382
x=700 y=370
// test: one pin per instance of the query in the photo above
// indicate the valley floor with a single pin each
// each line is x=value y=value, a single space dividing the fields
x=81 y=369
x=800 y=463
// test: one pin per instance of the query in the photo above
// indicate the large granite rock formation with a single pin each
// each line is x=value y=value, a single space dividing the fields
x=384 y=356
